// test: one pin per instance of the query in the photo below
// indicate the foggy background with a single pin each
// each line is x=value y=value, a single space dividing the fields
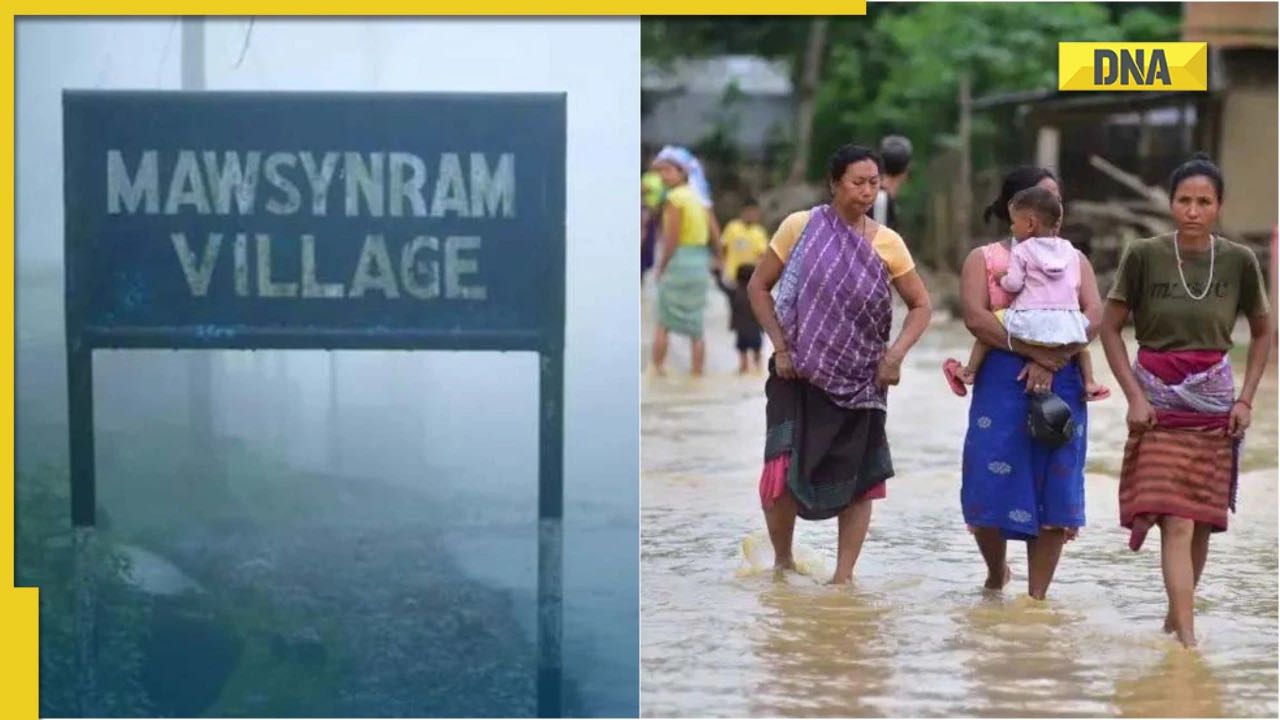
x=375 y=470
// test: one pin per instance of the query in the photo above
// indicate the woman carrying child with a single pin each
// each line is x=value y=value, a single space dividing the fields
x=1014 y=486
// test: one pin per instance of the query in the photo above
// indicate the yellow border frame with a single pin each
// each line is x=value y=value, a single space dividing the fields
x=478 y=7
x=19 y=607
x=19 y=614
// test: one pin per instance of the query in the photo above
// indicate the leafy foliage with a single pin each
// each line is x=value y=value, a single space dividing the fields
x=898 y=68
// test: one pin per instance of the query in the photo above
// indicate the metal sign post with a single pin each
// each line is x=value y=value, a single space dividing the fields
x=324 y=221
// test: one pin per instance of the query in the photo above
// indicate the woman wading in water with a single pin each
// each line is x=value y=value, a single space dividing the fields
x=1014 y=486
x=826 y=453
x=1184 y=291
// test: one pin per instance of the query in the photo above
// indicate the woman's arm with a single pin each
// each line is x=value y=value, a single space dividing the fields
x=713 y=235
x=1090 y=298
x=670 y=235
x=1114 y=315
x=758 y=289
x=919 y=308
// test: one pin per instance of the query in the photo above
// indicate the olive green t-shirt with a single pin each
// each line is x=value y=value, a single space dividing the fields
x=1164 y=316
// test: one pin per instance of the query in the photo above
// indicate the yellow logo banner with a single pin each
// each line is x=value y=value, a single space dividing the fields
x=1133 y=66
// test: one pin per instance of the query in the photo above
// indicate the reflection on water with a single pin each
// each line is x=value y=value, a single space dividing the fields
x=915 y=635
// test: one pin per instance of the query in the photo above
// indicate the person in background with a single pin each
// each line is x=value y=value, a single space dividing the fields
x=895 y=150
x=651 y=195
x=742 y=320
x=690 y=246
x=744 y=240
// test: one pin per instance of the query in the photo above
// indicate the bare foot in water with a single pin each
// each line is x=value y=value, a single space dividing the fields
x=1168 y=623
x=782 y=564
x=994 y=585
x=1188 y=639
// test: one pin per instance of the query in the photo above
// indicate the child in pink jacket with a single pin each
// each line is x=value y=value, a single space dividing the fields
x=1044 y=272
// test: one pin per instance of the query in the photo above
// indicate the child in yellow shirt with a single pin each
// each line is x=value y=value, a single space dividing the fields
x=744 y=241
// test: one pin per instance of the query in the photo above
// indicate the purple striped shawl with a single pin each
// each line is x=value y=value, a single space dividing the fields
x=835 y=308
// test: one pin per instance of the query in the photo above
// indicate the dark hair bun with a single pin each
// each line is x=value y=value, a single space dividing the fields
x=1198 y=165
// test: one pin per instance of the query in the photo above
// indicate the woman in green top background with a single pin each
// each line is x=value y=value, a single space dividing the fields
x=1184 y=291
x=690 y=244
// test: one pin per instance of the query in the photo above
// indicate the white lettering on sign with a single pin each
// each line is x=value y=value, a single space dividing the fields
x=451 y=189
x=145 y=187
x=425 y=271
x=374 y=271
x=374 y=185
x=319 y=179
x=311 y=287
x=229 y=180
x=198 y=272
x=266 y=286
x=187 y=187
x=407 y=188
x=364 y=180
x=421 y=278
x=489 y=191
x=242 y=266
x=293 y=198
x=456 y=266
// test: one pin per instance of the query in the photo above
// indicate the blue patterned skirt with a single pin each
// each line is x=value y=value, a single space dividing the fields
x=1009 y=480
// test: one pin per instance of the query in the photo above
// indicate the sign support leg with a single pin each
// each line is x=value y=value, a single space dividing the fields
x=550 y=534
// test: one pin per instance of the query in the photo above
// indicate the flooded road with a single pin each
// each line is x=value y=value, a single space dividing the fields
x=914 y=635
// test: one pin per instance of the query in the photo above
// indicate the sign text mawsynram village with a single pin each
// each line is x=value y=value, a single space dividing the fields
x=319 y=184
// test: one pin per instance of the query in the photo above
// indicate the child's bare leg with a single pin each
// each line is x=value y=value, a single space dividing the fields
x=1091 y=387
x=742 y=362
x=1086 y=365
x=976 y=356
x=755 y=359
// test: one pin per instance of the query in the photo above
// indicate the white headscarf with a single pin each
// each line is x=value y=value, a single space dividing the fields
x=686 y=161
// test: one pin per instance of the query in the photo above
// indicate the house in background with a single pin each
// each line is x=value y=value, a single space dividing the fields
x=1148 y=134
x=1243 y=85
x=739 y=101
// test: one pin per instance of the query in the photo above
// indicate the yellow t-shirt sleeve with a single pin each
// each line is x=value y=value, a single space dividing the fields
x=788 y=233
x=887 y=243
x=892 y=249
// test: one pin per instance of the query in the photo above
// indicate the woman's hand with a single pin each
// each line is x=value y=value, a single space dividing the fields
x=1051 y=358
x=1141 y=416
x=1038 y=378
x=782 y=363
x=1240 y=419
x=889 y=371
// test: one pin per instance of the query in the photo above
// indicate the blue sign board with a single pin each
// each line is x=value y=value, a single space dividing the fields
x=251 y=220
x=322 y=220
